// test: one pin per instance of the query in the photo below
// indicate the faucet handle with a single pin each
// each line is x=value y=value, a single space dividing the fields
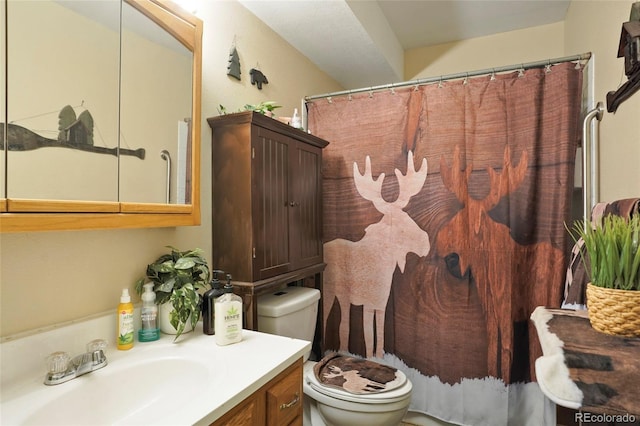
x=95 y=349
x=58 y=362
x=96 y=345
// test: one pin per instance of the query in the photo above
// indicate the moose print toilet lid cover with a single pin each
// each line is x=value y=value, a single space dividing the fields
x=357 y=375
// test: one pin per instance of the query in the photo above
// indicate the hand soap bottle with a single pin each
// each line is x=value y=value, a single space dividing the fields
x=228 y=316
x=149 y=313
x=208 y=303
x=125 y=322
x=295 y=120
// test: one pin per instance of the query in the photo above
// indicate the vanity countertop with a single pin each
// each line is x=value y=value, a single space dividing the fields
x=193 y=381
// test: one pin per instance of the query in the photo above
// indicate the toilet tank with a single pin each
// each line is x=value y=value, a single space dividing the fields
x=290 y=312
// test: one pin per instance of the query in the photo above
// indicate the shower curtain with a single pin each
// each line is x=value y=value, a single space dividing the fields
x=444 y=209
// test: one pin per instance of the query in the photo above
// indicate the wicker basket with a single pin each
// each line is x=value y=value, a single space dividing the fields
x=614 y=311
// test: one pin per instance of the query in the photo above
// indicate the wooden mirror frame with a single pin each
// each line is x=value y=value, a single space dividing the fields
x=57 y=215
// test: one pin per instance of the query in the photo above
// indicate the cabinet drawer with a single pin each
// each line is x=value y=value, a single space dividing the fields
x=284 y=399
x=250 y=412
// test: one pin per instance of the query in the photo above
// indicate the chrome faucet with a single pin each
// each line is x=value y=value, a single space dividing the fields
x=62 y=368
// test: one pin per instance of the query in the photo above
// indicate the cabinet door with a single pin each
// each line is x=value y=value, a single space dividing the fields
x=271 y=198
x=306 y=205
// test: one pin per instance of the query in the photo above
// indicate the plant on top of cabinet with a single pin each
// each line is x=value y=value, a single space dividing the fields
x=176 y=278
x=264 y=108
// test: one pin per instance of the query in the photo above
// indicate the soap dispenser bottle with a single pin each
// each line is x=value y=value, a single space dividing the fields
x=228 y=316
x=208 y=303
x=125 y=322
x=295 y=120
x=149 y=315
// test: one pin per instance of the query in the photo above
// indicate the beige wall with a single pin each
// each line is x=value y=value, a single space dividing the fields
x=514 y=47
x=53 y=277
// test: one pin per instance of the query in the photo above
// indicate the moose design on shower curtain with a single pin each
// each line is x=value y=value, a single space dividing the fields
x=472 y=233
x=361 y=272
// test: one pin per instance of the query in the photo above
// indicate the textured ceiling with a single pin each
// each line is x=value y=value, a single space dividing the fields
x=361 y=43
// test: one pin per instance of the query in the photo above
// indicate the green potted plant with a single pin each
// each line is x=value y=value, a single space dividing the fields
x=177 y=277
x=611 y=255
x=264 y=108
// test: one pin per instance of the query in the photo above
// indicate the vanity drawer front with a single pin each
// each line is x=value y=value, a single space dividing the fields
x=250 y=412
x=284 y=398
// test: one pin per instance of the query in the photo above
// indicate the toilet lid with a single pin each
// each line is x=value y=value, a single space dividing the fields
x=394 y=395
x=357 y=375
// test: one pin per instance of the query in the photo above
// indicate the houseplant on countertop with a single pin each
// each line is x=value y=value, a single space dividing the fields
x=611 y=254
x=176 y=278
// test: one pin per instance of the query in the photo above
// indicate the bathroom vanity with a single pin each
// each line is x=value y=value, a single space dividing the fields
x=193 y=381
x=279 y=402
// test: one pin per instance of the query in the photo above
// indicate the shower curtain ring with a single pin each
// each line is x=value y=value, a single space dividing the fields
x=370 y=92
x=521 y=71
x=493 y=75
x=547 y=67
x=440 y=86
x=329 y=99
x=466 y=80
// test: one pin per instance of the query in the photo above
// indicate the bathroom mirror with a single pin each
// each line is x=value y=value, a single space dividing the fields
x=70 y=63
x=155 y=111
x=144 y=106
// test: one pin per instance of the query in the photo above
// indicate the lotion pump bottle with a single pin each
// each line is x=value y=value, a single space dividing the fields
x=125 y=322
x=149 y=313
x=228 y=316
x=208 y=303
x=295 y=120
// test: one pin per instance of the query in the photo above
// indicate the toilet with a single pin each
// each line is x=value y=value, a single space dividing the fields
x=292 y=312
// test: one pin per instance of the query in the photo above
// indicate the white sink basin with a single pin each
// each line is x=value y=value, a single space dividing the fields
x=120 y=395
x=158 y=383
x=149 y=384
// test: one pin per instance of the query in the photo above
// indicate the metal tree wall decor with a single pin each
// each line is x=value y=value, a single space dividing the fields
x=233 y=69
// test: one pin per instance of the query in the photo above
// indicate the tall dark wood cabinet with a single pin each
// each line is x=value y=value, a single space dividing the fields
x=267 y=204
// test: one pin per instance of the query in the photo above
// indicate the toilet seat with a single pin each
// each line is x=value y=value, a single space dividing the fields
x=389 y=397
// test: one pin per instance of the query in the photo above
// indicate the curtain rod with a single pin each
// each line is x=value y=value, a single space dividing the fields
x=422 y=81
